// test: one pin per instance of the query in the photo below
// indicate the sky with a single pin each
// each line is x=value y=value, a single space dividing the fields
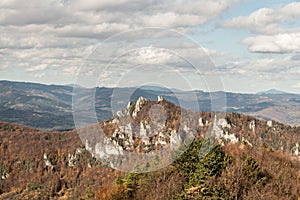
x=233 y=45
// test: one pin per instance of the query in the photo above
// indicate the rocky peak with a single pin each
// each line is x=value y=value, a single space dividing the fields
x=270 y=123
x=138 y=105
x=147 y=125
x=160 y=98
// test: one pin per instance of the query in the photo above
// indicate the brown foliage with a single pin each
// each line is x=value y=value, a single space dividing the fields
x=281 y=180
x=22 y=152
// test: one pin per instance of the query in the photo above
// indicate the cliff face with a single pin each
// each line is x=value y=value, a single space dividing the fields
x=60 y=165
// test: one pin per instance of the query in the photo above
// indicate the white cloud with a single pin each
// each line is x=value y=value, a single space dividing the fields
x=149 y=55
x=277 y=68
x=267 y=20
x=131 y=12
x=39 y=75
x=296 y=86
x=70 y=70
x=36 y=68
x=154 y=13
x=274 y=36
x=90 y=31
x=54 y=33
x=18 y=12
x=280 y=43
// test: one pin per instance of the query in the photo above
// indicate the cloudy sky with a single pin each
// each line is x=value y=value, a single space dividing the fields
x=247 y=45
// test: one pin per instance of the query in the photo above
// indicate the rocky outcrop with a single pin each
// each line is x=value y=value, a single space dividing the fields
x=252 y=126
x=160 y=99
x=220 y=129
x=48 y=162
x=144 y=134
x=138 y=105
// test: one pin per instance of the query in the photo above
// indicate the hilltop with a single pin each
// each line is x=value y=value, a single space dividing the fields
x=251 y=158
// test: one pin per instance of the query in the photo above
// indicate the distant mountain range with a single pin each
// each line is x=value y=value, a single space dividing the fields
x=49 y=107
x=272 y=91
